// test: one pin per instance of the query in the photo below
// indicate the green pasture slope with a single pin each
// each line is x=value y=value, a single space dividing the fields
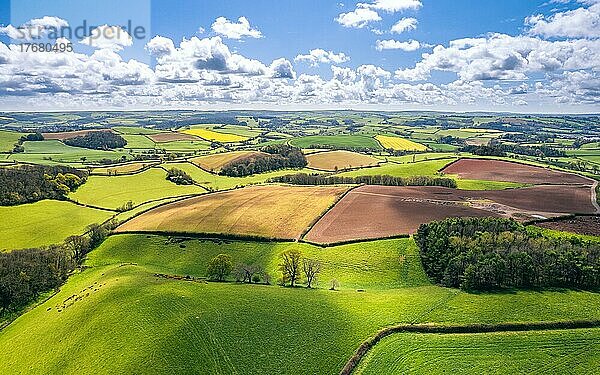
x=114 y=191
x=44 y=223
x=557 y=352
x=118 y=309
x=8 y=140
x=53 y=151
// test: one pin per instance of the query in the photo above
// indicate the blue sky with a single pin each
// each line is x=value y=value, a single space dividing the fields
x=267 y=54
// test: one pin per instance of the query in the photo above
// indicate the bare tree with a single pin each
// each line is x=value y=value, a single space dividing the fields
x=290 y=266
x=334 y=284
x=247 y=273
x=79 y=246
x=311 y=269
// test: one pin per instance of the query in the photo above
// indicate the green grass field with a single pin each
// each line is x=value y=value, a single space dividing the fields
x=216 y=182
x=149 y=324
x=557 y=352
x=487 y=185
x=337 y=140
x=113 y=192
x=8 y=140
x=135 y=141
x=420 y=168
x=48 y=152
x=44 y=223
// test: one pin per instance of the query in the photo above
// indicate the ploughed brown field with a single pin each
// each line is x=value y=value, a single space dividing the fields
x=382 y=211
x=588 y=225
x=215 y=162
x=171 y=136
x=68 y=135
x=499 y=170
x=280 y=212
x=340 y=160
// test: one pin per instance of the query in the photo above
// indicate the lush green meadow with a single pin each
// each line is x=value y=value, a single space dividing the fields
x=8 y=140
x=217 y=182
x=115 y=191
x=131 y=309
x=45 y=223
x=120 y=310
x=53 y=151
x=419 y=168
x=357 y=141
x=568 y=351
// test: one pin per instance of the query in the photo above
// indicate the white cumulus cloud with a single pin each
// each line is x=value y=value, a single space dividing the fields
x=577 y=23
x=405 y=24
x=316 y=56
x=393 y=6
x=108 y=37
x=235 y=30
x=358 y=18
x=411 y=45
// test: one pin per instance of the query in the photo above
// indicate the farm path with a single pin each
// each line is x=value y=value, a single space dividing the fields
x=595 y=197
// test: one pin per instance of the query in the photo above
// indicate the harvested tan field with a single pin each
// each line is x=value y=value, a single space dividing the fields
x=587 y=225
x=499 y=170
x=171 y=136
x=340 y=160
x=215 y=162
x=68 y=135
x=282 y=212
x=382 y=211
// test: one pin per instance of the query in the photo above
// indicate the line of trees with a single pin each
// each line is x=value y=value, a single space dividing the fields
x=31 y=183
x=320 y=179
x=100 y=140
x=293 y=267
x=496 y=149
x=277 y=157
x=492 y=253
x=27 y=274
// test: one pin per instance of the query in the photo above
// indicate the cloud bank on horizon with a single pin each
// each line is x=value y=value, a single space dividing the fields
x=553 y=62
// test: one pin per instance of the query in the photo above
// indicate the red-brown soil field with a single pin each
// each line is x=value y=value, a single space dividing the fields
x=588 y=225
x=68 y=135
x=382 y=211
x=171 y=136
x=499 y=170
x=368 y=212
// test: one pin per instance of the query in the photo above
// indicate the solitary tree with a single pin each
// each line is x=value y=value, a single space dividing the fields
x=334 y=284
x=290 y=266
x=220 y=267
x=311 y=269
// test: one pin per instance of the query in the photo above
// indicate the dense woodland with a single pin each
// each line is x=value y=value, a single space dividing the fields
x=100 y=140
x=31 y=183
x=491 y=253
x=278 y=157
x=321 y=179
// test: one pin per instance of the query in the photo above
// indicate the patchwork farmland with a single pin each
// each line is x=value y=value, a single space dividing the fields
x=133 y=234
